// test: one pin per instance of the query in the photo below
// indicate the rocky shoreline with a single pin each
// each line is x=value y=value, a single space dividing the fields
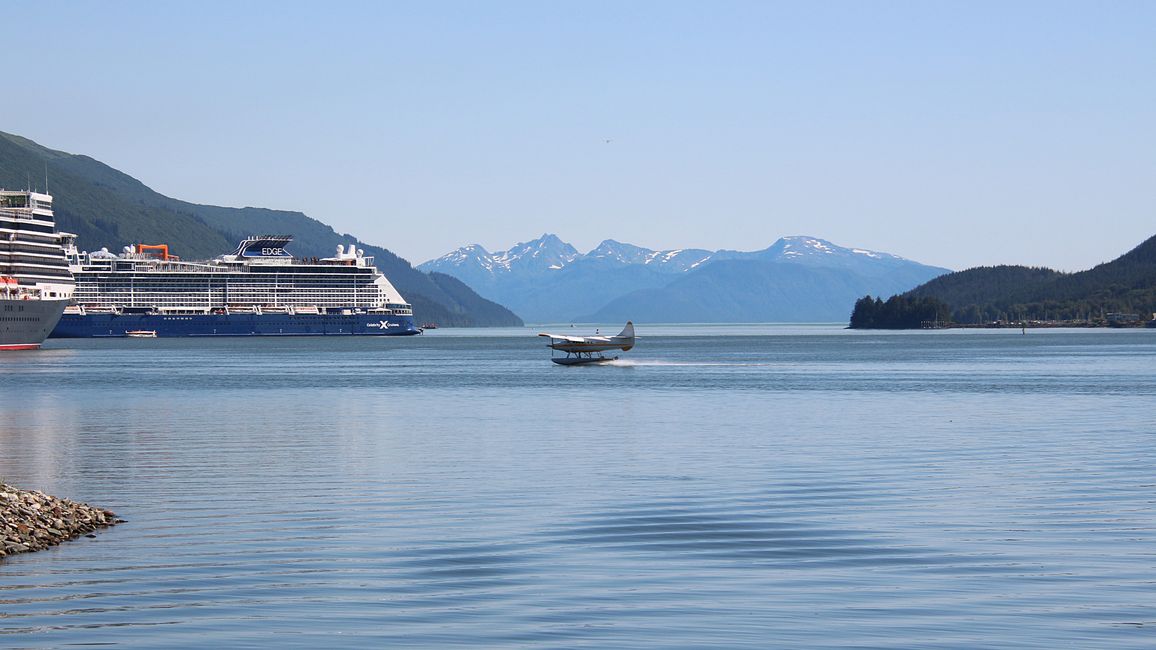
x=34 y=521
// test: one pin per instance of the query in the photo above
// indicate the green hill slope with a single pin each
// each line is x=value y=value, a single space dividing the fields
x=1126 y=284
x=107 y=208
x=101 y=205
x=988 y=284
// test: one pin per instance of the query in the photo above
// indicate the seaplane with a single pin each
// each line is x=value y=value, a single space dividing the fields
x=588 y=349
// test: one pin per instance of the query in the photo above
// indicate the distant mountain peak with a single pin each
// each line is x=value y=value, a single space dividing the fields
x=475 y=265
x=816 y=250
x=470 y=254
x=547 y=250
x=473 y=249
x=797 y=245
x=616 y=251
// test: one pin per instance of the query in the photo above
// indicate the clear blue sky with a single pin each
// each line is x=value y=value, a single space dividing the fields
x=953 y=133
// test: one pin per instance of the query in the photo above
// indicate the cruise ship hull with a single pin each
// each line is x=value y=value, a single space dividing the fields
x=118 y=325
x=24 y=324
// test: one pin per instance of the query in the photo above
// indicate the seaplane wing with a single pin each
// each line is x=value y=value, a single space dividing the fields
x=572 y=339
x=624 y=340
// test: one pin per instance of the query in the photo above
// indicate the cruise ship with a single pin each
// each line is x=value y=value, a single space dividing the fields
x=35 y=283
x=259 y=290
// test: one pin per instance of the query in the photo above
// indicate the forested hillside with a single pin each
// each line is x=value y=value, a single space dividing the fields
x=1017 y=293
x=107 y=208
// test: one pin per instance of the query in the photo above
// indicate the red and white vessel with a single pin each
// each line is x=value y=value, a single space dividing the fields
x=35 y=282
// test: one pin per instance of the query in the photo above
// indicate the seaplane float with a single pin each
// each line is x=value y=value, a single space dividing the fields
x=588 y=349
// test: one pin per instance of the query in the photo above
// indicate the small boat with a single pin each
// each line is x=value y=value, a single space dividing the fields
x=141 y=334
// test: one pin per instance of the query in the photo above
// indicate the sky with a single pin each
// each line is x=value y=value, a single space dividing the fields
x=956 y=134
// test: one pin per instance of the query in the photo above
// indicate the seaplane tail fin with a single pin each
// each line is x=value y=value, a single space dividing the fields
x=627 y=336
x=628 y=331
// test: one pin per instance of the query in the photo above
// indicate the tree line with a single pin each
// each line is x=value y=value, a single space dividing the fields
x=899 y=312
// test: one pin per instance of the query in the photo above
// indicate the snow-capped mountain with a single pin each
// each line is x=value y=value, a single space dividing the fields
x=545 y=252
x=548 y=280
x=474 y=264
x=820 y=252
x=672 y=261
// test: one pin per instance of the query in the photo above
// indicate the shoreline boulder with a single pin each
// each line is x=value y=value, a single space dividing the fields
x=34 y=521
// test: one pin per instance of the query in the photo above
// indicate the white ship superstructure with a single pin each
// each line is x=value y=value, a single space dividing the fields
x=259 y=274
x=35 y=282
x=259 y=289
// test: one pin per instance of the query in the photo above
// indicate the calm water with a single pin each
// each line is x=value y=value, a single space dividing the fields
x=724 y=487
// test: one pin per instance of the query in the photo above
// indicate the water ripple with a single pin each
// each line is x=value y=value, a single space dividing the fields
x=832 y=490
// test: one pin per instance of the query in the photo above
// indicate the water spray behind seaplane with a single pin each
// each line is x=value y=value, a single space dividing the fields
x=589 y=349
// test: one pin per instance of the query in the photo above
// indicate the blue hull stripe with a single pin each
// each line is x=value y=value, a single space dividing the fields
x=104 y=325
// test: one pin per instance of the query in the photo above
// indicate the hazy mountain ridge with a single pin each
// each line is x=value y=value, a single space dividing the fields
x=742 y=290
x=795 y=279
x=107 y=208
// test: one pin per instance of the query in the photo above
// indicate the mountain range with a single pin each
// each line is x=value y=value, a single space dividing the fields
x=108 y=208
x=796 y=279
